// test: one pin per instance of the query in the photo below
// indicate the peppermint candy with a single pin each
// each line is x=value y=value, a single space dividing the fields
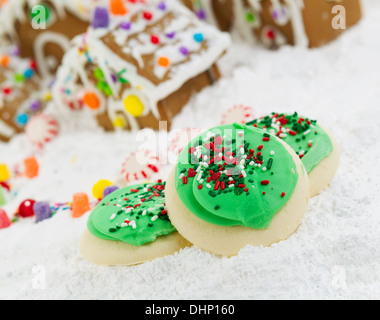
x=41 y=129
x=140 y=165
x=239 y=114
x=182 y=138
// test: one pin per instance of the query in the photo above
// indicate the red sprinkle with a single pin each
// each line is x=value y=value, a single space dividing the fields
x=283 y=194
x=265 y=182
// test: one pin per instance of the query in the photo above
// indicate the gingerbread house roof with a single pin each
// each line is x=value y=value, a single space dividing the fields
x=12 y=11
x=20 y=95
x=156 y=45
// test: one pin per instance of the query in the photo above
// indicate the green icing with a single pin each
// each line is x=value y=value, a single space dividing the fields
x=303 y=135
x=235 y=175
x=135 y=215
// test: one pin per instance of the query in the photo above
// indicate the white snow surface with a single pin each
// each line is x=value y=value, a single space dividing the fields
x=334 y=254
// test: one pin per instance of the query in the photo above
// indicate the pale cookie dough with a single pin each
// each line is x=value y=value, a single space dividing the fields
x=113 y=253
x=229 y=240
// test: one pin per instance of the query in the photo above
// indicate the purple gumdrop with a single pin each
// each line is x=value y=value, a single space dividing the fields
x=201 y=14
x=101 y=18
x=184 y=51
x=108 y=190
x=35 y=106
x=42 y=211
x=126 y=25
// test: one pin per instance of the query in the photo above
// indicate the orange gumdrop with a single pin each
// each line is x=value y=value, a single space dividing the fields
x=117 y=7
x=80 y=205
x=91 y=100
x=31 y=167
x=4 y=61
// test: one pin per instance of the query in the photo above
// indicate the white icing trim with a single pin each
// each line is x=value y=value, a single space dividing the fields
x=41 y=41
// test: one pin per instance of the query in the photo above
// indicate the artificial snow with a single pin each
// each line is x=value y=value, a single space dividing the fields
x=333 y=255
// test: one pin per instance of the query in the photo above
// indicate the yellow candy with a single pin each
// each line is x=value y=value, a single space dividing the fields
x=119 y=122
x=99 y=187
x=134 y=106
x=4 y=173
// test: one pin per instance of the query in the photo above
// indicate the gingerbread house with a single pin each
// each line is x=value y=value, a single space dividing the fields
x=43 y=29
x=307 y=23
x=21 y=96
x=139 y=63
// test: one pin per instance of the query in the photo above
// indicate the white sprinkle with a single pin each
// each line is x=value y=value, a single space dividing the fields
x=272 y=153
x=306 y=132
x=231 y=186
x=208 y=186
x=242 y=150
x=154 y=218
x=201 y=181
x=113 y=217
x=283 y=135
x=181 y=175
x=244 y=174
x=264 y=169
x=144 y=213
x=251 y=163
x=123 y=225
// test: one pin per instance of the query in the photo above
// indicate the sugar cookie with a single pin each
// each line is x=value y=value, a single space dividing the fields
x=130 y=226
x=235 y=186
x=314 y=144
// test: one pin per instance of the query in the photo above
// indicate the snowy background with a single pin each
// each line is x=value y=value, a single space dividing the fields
x=334 y=254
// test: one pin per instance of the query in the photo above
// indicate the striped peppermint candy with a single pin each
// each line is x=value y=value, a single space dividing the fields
x=239 y=114
x=140 y=165
x=41 y=129
x=182 y=138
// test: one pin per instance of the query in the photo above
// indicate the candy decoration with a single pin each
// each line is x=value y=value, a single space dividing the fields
x=41 y=129
x=133 y=106
x=108 y=190
x=91 y=100
x=4 y=61
x=141 y=165
x=101 y=18
x=99 y=187
x=117 y=7
x=4 y=173
x=31 y=167
x=81 y=205
x=182 y=138
x=5 y=222
x=42 y=211
x=239 y=114
x=3 y=201
x=26 y=209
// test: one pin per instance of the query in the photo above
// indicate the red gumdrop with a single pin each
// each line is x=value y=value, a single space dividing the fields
x=5 y=222
x=26 y=208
